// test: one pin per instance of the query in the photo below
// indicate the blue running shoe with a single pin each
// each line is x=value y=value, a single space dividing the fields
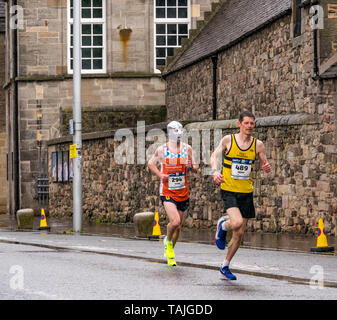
x=227 y=273
x=220 y=235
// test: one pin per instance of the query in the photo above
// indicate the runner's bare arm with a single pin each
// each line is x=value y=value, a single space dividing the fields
x=222 y=147
x=261 y=153
x=157 y=157
x=191 y=160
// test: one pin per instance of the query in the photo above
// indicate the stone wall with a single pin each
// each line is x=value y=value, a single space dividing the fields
x=45 y=114
x=43 y=41
x=300 y=188
x=328 y=34
x=190 y=100
x=112 y=192
x=105 y=118
x=46 y=88
x=269 y=73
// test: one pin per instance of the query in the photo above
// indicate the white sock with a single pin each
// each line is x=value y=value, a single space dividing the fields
x=166 y=240
x=225 y=263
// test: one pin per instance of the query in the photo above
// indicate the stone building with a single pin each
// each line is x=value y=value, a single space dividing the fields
x=271 y=57
x=277 y=59
x=3 y=175
x=124 y=46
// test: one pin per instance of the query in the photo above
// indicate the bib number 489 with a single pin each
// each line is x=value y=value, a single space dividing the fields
x=241 y=168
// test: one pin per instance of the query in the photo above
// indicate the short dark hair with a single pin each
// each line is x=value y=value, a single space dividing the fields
x=246 y=114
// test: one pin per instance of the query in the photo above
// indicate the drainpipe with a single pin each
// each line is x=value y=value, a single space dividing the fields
x=214 y=98
x=16 y=122
x=316 y=69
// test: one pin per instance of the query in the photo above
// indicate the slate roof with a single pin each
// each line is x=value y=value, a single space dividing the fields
x=234 y=20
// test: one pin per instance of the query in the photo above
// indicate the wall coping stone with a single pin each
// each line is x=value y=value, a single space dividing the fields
x=126 y=108
x=271 y=121
x=105 y=134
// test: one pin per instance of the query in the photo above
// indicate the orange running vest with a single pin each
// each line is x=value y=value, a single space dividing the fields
x=174 y=164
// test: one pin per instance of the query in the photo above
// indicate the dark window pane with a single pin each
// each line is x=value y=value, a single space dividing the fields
x=71 y=41
x=160 y=52
x=160 y=28
x=172 y=40
x=160 y=62
x=182 y=3
x=170 y=51
x=71 y=64
x=86 y=3
x=160 y=3
x=86 y=53
x=71 y=13
x=97 y=53
x=98 y=64
x=97 y=3
x=86 y=28
x=182 y=13
x=160 y=41
x=171 y=29
x=160 y=13
x=98 y=41
x=71 y=53
x=71 y=3
x=86 y=13
x=86 y=64
x=71 y=29
x=98 y=13
x=182 y=29
x=179 y=39
x=86 y=41
x=171 y=3
x=171 y=13
x=98 y=29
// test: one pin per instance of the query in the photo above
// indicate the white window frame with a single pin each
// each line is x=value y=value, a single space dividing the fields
x=168 y=21
x=86 y=21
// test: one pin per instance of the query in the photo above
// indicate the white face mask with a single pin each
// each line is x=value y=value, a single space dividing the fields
x=174 y=131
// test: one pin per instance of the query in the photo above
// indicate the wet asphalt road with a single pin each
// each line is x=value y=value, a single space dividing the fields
x=77 y=267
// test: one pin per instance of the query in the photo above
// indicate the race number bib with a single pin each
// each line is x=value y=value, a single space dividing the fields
x=176 y=181
x=241 y=168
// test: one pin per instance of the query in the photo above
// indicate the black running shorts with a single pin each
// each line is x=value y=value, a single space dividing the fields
x=243 y=201
x=181 y=205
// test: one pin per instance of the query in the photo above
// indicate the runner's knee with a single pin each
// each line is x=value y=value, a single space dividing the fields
x=175 y=223
x=237 y=223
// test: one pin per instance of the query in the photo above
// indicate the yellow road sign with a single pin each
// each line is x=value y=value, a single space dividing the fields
x=72 y=151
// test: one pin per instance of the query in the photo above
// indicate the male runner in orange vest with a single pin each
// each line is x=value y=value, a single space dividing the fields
x=175 y=157
x=236 y=181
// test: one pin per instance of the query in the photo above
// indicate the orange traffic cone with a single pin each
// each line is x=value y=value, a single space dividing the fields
x=43 y=221
x=156 y=232
x=322 y=242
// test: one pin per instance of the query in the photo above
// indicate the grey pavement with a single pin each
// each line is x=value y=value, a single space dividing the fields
x=283 y=265
x=91 y=268
x=269 y=241
x=283 y=257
